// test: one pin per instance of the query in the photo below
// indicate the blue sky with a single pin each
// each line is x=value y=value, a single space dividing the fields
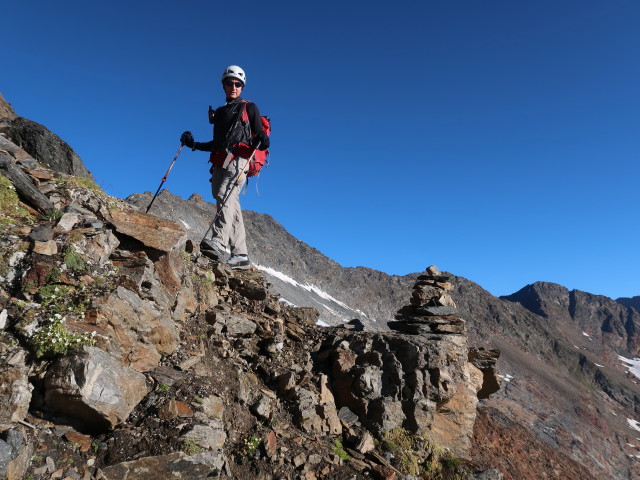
x=497 y=140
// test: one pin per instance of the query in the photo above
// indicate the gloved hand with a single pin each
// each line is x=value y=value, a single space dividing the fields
x=260 y=141
x=187 y=139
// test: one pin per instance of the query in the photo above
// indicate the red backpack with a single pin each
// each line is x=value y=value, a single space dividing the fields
x=259 y=156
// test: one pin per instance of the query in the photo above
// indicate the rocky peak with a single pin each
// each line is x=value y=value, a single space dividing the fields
x=6 y=110
x=617 y=324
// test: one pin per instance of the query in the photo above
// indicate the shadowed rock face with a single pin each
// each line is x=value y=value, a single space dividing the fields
x=46 y=147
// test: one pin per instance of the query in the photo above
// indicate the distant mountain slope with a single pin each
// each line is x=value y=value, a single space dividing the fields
x=615 y=327
x=633 y=302
x=299 y=272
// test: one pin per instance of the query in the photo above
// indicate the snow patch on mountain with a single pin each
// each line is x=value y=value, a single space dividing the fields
x=633 y=366
x=311 y=288
x=634 y=424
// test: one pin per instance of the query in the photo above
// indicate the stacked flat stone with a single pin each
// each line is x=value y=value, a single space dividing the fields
x=431 y=309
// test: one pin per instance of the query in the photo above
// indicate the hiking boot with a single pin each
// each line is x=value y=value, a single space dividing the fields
x=239 y=262
x=212 y=249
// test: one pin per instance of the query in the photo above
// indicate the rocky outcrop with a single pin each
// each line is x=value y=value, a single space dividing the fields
x=6 y=110
x=151 y=231
x=93 y=387
x=46 y=147
x=150 y=357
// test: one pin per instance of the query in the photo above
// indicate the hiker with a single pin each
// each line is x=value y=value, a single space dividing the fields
x=237 y=133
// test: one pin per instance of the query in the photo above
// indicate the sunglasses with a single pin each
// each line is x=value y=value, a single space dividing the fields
x=231 y=83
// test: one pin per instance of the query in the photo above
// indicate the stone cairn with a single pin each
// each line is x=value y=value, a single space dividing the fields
x=431 y=309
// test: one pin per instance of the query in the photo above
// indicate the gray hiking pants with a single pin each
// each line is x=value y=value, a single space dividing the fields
x=229 y=226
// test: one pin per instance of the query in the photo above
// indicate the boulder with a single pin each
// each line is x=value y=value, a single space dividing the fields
x=151 y=231
x=178 y=466
x=211 y=437
x=234 y=324
x=94 y=387
x=422 y=383
x=100 y=246
x=46 y=147
x=26 y=189
x=138 y=332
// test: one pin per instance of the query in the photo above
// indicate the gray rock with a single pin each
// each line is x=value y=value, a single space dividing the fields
x=15 y=454
x=68 y=221
x=491 y=474
x=206 y=436
x=347 y=416
x=94 y=387
x=41 y=233
x=28 y=162
x=235 y=325
x=435 y=310
x=178 y=466
x=46 y=147
x=15 y=389
x=26 y=189
x=99 y=247
x=262 y=408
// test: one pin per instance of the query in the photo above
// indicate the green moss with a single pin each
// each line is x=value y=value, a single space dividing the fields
x=54 y=275
x=52 y=215
x=190 y=447
x=417 y=455
x=339 y=450
x=10 y=210
x=82 y=182
x=74 y=261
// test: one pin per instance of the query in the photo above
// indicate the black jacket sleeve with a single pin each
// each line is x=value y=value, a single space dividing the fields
x=205 y=147
x=256 y=125
x=254 y=118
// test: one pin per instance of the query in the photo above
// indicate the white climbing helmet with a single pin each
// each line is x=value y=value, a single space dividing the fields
x=234 y=71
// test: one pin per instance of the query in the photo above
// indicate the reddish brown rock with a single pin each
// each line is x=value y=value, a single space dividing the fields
x=152 y=231
x=83 y=441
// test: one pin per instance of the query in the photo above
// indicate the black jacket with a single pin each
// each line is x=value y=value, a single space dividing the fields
x=225 y=119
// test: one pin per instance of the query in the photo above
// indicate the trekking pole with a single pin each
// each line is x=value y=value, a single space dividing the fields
x=164 y=179
x=228 y=194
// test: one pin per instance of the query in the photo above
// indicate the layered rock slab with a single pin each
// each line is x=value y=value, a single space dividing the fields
x=93 y=387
